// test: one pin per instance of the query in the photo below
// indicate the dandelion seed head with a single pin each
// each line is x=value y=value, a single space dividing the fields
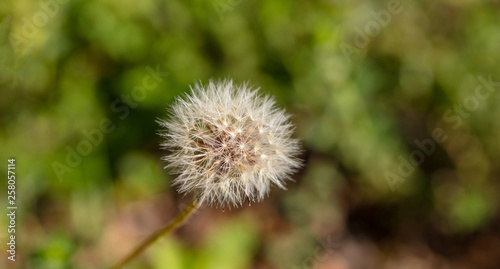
x=229 y=143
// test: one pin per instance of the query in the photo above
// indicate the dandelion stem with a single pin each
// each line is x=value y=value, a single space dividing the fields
x=174 y=224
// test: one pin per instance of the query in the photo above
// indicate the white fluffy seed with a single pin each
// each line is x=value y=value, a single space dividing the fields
x=221 y=153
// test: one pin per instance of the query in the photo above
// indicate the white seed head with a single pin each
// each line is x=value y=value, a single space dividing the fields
x=229 y=143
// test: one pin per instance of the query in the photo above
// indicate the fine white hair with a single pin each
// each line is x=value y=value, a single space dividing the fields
x=229 y=143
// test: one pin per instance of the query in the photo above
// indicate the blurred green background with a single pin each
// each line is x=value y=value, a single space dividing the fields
x=396 y=104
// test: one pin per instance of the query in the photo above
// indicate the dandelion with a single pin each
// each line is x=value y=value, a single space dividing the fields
x=229 y=143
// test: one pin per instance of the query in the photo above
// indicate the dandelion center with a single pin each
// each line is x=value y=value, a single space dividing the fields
x=224 y=150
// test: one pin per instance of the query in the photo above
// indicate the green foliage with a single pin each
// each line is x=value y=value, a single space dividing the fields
x=77 y=113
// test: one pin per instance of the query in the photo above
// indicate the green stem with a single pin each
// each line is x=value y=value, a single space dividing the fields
x=174 y=224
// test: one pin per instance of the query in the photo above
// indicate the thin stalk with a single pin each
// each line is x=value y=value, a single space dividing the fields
x=174 y=224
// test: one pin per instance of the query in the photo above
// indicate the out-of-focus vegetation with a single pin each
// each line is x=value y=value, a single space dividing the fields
x=373 y=86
